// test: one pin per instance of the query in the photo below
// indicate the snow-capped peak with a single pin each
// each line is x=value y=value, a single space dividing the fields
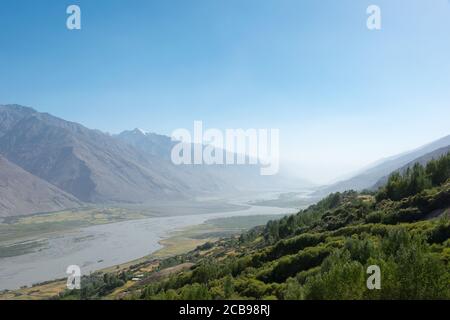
x=140 y=131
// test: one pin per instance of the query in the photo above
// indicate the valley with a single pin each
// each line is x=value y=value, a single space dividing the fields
x=140 y=227
x=38 y=248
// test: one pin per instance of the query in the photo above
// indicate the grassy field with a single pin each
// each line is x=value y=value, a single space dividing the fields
x=34 y=226
x=40 y=292
x=22 y=235
x=286 y=200
x=40 y=224
x=188 y=239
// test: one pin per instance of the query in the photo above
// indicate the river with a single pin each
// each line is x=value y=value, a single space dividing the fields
x=97 y=247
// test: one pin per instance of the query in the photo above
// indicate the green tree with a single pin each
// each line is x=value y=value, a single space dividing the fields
x=228 y=287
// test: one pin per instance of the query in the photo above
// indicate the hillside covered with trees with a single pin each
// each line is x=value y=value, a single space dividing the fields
x=322 y=252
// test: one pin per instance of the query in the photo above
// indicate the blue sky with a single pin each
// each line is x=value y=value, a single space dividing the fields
x=342 y=96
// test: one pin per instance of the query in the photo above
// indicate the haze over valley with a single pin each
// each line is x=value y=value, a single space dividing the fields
x=80 y=166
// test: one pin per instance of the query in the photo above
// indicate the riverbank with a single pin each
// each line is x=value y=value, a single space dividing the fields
x=101 y=246
x=178 y=242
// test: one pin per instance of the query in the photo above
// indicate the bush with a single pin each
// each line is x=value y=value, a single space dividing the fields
x=289 y=266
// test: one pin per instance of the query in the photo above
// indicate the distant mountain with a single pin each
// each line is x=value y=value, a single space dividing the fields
x=133 y=167
x=225 y=177
x=423 y=160
x=369 y=177
x=23 y=193
x=10 y=115
x=89 y=164
x=150 y=143
x=193 y=178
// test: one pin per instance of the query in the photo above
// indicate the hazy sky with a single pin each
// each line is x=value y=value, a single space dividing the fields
x=341 y=95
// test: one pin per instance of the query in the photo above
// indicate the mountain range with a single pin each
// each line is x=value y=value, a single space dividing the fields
x=423 y=160
x=375 y=175
x=69 y=164
x=50 y=164
x=21 y=192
